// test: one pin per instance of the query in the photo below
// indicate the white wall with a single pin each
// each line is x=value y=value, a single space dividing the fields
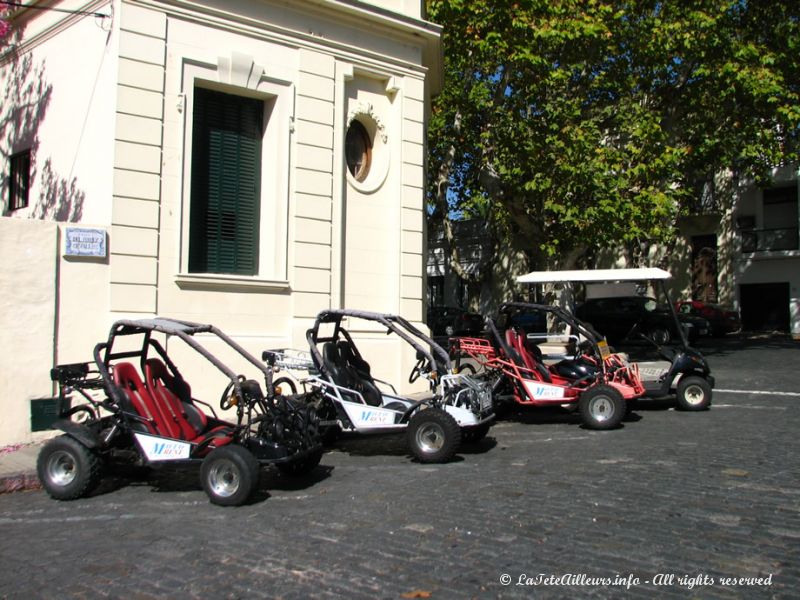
x=59 y=102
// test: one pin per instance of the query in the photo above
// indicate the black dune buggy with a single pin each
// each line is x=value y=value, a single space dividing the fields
x=349 y=398
x=134 y=407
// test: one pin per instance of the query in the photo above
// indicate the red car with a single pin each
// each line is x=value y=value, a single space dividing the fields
x=723 y=320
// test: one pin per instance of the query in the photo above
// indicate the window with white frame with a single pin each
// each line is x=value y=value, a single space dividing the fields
x=227 y=132
x=236 y=174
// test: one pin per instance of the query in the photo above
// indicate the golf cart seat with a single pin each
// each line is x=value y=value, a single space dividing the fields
x=165 y=414
x=348 y=376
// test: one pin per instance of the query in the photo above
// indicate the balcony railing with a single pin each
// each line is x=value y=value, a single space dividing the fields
x=766 y=240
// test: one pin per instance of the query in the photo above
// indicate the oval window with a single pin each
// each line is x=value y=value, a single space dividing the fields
x=358 y=150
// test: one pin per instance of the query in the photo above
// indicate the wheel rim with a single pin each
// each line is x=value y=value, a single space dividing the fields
x=62 y=468
x=430 y=437
x=694 y=395
x=223 y=478
x=601 y=409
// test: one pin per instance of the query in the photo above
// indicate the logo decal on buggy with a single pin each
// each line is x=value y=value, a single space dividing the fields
x=542 y=390
x=376 y=417
x=156 y=448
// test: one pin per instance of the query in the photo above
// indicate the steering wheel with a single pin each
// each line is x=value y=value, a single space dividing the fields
x=585 y=348
x=229 y=398
x=417 y=370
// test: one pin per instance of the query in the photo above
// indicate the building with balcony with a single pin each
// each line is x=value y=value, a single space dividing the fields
x=766 y=265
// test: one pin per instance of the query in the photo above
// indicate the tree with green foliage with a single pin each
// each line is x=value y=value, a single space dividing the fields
x=577 y=125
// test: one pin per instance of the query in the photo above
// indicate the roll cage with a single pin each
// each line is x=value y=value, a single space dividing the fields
x=591 y=335
x=184 y=330
x=436 y=358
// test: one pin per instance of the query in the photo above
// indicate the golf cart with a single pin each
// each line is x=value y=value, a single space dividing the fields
x=681 y=370
x=350 y=399
x=135 y=407
x=593 y=379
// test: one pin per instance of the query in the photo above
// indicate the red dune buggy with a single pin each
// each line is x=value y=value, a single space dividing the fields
x=136 y=408
x=597 y=381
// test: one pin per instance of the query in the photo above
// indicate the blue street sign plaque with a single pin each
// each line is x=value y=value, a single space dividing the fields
x=81 y=241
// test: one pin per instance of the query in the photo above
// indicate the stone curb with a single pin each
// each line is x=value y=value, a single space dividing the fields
x=19 y=482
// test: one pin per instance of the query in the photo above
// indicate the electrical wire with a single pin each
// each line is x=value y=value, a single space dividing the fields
x=61 y=10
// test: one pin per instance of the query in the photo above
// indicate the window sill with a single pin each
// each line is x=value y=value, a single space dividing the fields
x=229 y=283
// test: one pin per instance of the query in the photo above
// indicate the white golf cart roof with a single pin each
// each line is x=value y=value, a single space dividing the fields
x=637 y=274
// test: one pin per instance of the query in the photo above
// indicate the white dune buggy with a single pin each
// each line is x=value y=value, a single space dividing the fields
x=349 y=398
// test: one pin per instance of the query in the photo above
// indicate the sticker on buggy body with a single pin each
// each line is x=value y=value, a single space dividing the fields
x=362 y=416
x=543 y=391
x=156 y=448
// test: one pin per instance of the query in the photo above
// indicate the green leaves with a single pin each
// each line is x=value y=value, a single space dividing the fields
x=590 y=123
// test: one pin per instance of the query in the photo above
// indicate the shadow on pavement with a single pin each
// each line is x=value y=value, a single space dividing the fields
x=395 y=445
x=187 y=479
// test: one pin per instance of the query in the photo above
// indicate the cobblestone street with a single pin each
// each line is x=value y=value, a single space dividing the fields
x=672 y=505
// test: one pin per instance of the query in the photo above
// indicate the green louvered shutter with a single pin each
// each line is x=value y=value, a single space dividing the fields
x=226 y=181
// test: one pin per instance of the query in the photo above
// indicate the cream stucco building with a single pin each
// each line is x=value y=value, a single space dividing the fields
x=242 y=163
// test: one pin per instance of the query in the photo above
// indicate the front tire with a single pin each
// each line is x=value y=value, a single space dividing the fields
x=433 y=436
x=693 y=393
x=68 y=469
x=602 y=407
x=230 y=475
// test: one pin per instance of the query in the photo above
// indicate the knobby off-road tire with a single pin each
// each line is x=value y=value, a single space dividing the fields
x=301 y=467
x=230 y=475
x=602 y=407
x=693 y=393
x=68 y=469
x=433 y=436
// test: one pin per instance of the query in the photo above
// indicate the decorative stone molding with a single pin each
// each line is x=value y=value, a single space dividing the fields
x=367 y=110
x=239 y=70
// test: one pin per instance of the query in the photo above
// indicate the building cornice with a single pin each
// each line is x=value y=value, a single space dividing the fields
x=359 y=15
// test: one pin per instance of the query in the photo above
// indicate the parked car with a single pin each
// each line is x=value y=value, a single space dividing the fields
x=723 y=320
x=529 y=320
x=623 y=317
x=450 y=320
